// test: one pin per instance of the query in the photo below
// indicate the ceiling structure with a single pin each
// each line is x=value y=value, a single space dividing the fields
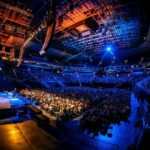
x=91 y=25
x=84 y=31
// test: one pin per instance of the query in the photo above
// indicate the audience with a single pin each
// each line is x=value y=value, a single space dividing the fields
x=113 y=107
x=97 y=108
x=61 y=107
x=76 y=78
x=93 y=106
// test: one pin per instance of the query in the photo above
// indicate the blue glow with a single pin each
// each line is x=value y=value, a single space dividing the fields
x=109 y=49
x=121 y=36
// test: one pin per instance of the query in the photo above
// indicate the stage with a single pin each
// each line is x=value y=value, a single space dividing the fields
x=9 y=100
x=10 y=103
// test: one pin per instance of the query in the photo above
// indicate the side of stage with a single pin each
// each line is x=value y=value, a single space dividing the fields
x=10 y=104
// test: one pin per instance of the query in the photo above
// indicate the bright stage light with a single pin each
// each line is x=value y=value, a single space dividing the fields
x=109 y=49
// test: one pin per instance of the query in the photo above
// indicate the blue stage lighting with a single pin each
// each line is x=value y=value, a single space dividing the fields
x=109 y=49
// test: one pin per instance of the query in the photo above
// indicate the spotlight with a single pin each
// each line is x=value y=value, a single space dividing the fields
x=109 y=49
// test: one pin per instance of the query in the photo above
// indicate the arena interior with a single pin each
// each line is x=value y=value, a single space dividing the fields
x=74 y=74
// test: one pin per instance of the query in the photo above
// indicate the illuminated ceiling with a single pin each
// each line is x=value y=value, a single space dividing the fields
x=87 y=27
x=104 y=23
x=84 y=28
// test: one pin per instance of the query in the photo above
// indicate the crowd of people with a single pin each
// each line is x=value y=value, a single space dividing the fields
x=63 y=108
x=102 y=79
x=75 y=78
x=37 y=75
x=113 y=108
x=93 y=105
x=96 y=106
x=78 y=77
x=113 y=79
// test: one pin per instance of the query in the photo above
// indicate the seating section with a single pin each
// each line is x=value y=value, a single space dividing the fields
x=74 y=78
x=100 y=107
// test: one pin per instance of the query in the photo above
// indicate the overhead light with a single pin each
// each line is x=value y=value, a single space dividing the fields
x=109 y=49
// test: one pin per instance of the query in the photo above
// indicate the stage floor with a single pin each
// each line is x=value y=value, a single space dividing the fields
x=8 y=100
x=26 y=136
